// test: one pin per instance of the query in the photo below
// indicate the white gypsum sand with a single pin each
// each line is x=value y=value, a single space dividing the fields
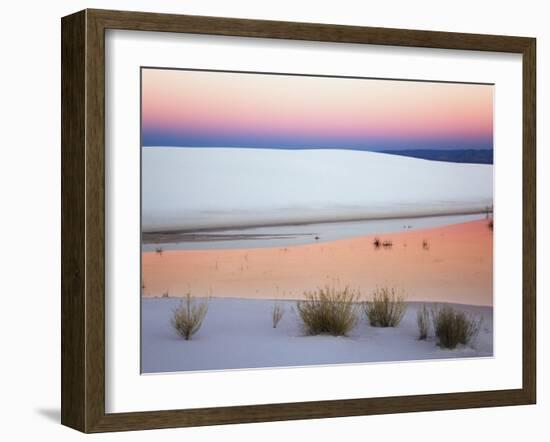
x=201 y=188
x=238 y=333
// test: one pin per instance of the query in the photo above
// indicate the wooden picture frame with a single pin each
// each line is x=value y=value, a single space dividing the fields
x=83 y=220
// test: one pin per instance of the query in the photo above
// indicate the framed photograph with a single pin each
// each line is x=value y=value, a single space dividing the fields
x=272 y=220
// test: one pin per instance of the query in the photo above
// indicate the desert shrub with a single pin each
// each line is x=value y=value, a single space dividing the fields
x=423 y=321
x=453 y=327
x=386 y=309
x=329 y=310
x=277 y=313
x=187 y=317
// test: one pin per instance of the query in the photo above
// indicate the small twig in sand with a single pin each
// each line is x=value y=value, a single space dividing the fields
x=423 y=321
x=277 y=313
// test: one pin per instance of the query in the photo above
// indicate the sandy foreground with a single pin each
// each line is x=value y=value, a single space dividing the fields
x=446 y=264
x=238 y=333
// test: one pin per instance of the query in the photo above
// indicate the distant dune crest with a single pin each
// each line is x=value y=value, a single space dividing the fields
x=472 y=156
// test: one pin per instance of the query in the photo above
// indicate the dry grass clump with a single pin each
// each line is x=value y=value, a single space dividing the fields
x=423 y=321
x=188 y=316
x=386 y=309
x=329 y=310
x=277 y=313
x=453 y=327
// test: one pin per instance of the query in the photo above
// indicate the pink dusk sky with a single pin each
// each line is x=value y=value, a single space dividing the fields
x=225 y=109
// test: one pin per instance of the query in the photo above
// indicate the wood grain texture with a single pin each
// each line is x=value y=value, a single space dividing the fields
x=73 y=129
x=95 y=222
x=529 y=221
x=144 y=21
x=83 y=220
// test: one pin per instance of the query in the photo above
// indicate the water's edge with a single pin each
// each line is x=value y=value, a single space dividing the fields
x=294 y=234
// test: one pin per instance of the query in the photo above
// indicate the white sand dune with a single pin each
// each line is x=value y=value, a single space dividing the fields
x=198 y=188
x=237 y=333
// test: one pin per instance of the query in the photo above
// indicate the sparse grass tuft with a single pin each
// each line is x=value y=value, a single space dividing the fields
x=386 y=309
x=329 y=310
x=188 y=316
x=277 y=313
x=453 y=327
x=423 y=321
